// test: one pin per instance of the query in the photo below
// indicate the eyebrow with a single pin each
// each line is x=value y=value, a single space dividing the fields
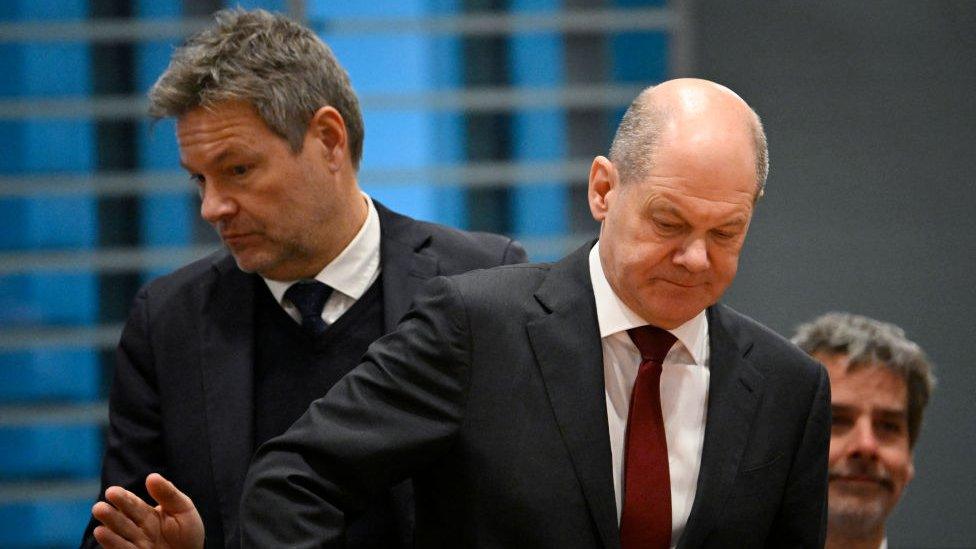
x=891 y=413
x=222 y=156
x=668 y=208
x=737 y=221
x=899 y=413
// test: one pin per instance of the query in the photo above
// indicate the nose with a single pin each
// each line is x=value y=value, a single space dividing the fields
x=215 y=206
x=693 y=256
x=863 y=442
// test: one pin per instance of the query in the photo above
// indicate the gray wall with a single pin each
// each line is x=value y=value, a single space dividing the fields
x=870 y=109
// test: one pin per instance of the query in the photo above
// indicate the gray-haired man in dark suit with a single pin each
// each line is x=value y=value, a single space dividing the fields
x=227 y=352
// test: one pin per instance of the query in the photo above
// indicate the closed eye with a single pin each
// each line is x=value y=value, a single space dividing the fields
x=667 y=226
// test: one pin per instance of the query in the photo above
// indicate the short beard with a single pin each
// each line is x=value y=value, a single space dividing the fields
x=857 y=514
x=854 y=518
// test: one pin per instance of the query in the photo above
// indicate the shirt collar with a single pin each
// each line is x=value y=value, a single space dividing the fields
x=614 y=316
x=351 y=272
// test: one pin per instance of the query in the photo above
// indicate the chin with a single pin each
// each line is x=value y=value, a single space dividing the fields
x=858 y=516
x=672 y=318
x=673 y=311
x=249 y=263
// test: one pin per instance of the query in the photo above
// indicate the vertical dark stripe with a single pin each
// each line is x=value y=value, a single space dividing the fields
x=113 y=74
x=487 y=135
x=590 y=129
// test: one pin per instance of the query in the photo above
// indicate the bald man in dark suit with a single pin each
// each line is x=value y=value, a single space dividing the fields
x=607 y=400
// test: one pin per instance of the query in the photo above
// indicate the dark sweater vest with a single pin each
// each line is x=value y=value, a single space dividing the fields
x=293 y=368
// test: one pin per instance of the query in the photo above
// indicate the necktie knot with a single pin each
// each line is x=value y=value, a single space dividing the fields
x=652 y=342
x=309 y=297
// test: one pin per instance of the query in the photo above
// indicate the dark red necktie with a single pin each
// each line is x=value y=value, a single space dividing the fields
x=645 y=521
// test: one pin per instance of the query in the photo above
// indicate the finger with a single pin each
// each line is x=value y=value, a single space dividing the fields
x=137 y=510
x=110 y=540
x=116 y=521
x=170 y=499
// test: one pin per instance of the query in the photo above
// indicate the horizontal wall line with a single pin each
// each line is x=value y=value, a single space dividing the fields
x=106 y=336
x=89 y=413
x=137 y=259
x=474 y=100
x=29 y=492
x=135 y=183
x=102 y=260
x=475 y=24
x=570 y=21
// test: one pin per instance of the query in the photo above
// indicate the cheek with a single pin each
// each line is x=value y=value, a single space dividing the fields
x=836 y=451
x=725 y=263
x=728 y=274
x=899 y=465
x=645 y=265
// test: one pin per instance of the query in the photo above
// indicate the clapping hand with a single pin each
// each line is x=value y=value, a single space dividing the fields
x=128 y=522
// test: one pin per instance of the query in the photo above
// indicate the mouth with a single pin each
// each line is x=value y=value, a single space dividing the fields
x=235 y=238
x=862 y=480
x=680 y=284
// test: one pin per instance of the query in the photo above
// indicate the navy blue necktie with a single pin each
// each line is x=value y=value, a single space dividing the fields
x=309 y=297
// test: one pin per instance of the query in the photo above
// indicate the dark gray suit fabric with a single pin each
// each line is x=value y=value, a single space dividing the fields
x=490 y=395
x=181 y=402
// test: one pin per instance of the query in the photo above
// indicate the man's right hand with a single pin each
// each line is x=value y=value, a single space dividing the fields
x=128 y=521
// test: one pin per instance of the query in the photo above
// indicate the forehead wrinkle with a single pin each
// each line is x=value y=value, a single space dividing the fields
x=215 y=151
x=687 y=186
x=217 y=124
x=660 y=200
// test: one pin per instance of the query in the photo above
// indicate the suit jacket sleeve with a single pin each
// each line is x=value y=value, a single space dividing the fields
x=802 y=517
x=398 y=411
x=134 y=443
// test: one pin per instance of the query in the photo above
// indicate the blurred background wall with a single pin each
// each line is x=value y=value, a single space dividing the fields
x=484 y=114
x=871 y=200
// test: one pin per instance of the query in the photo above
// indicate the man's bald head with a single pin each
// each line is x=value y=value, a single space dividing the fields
x=685 y=105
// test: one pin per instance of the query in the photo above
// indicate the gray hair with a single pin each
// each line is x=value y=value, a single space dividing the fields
x=280 y=67
x=868 y=342
x=634 y=143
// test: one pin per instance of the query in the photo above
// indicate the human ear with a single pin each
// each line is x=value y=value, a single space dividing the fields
x=329 y=129
x=602 y=182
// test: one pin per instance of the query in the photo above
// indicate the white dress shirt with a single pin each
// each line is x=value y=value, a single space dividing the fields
x=350 y=274
x=684 y=392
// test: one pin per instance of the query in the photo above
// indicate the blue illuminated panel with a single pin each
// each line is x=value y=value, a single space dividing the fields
x=403 y=63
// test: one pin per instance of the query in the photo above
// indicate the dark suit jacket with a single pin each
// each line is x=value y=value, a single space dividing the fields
x=490 y=394
x=181 y=402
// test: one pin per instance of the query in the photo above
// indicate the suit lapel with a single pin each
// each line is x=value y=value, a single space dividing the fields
x=567 y=347
x=227 y=348
x=403 y=267
x=734 y=392
x=227 y=343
